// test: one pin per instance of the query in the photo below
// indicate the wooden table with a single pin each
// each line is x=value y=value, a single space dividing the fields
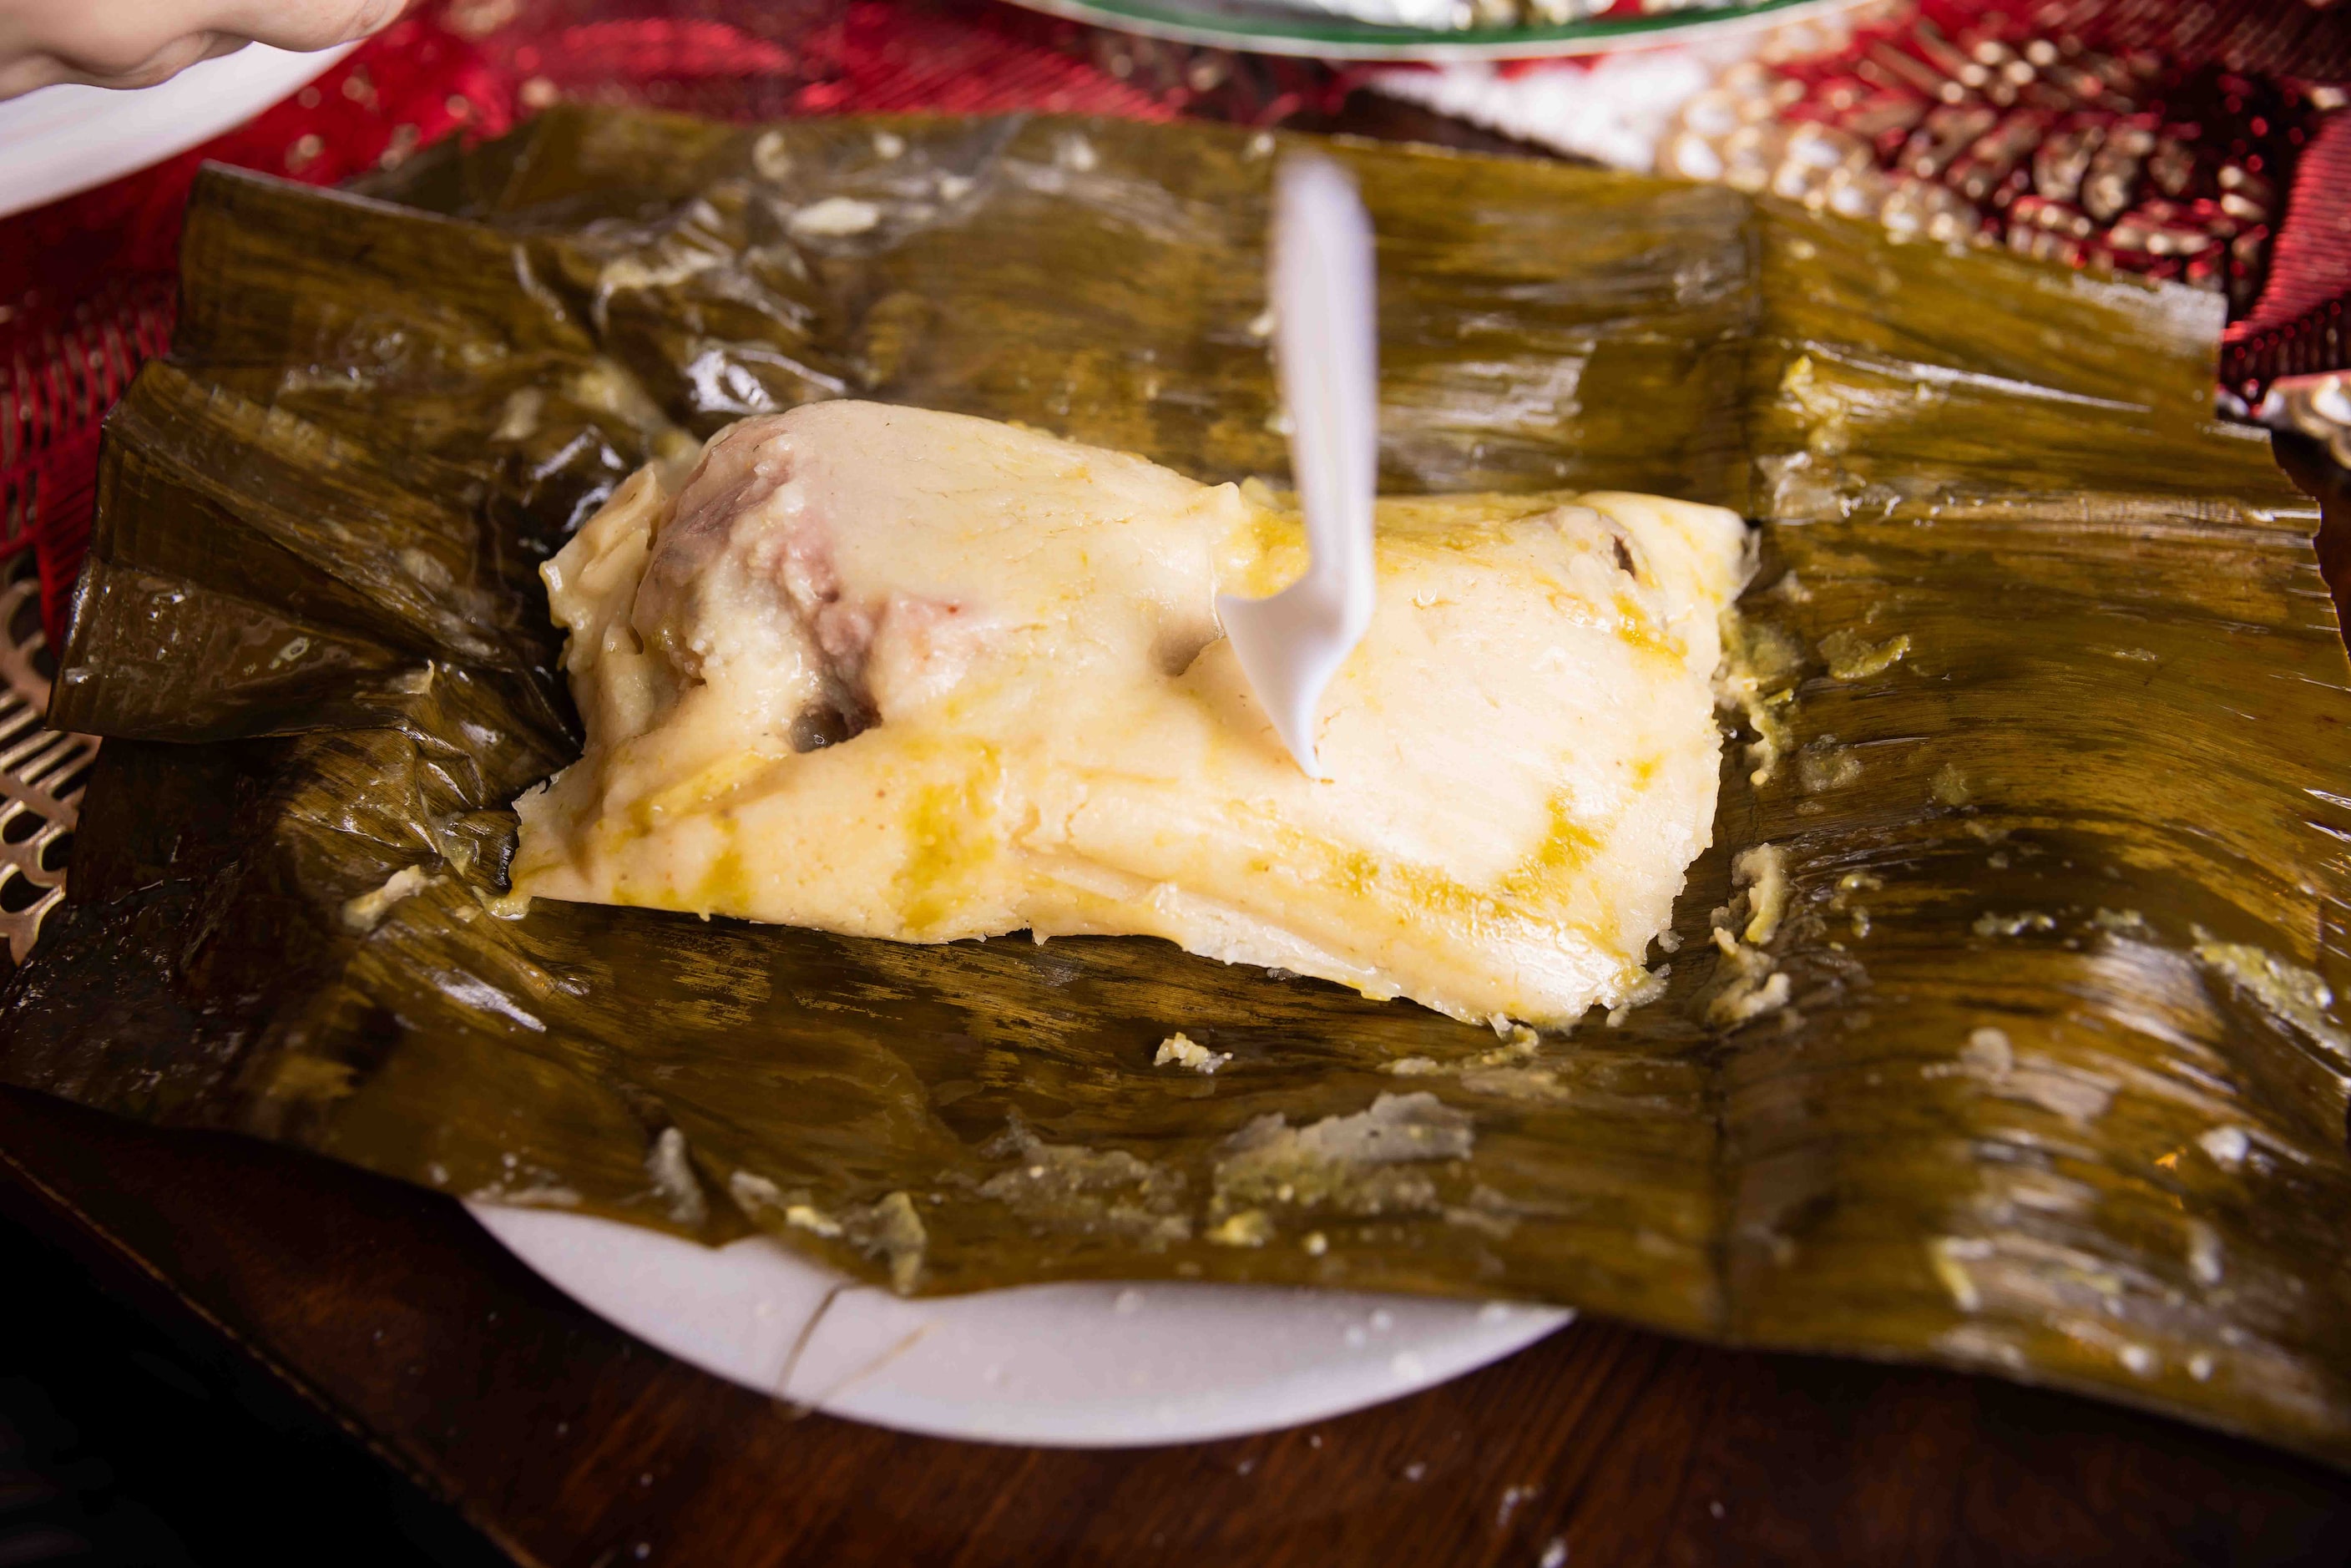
x=388 y=1312
x=385 y=1310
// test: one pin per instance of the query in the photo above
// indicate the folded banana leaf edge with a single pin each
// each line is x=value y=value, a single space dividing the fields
x=2000 y=1029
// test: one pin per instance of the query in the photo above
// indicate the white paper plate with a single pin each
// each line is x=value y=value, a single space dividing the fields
x=62 y=140
x=1059 y=1365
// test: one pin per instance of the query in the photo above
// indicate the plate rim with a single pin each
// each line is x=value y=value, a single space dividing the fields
x=127 y=130
x=536 y=1238
x=1343 y=40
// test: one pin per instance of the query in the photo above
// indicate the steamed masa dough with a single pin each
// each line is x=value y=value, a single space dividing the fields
x=916 y=675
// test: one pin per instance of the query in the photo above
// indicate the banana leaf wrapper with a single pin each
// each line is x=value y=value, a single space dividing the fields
x=2040 y=1074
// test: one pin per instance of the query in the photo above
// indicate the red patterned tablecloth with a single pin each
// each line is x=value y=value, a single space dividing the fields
x=86 y=284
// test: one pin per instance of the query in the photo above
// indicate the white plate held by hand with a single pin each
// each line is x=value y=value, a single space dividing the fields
x=62 y=140
x=1079 y=1365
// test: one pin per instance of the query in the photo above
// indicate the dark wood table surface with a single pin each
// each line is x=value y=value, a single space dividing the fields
x=386 y=1314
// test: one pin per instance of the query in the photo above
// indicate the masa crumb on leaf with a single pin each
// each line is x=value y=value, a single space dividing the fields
x=2286 y=990
x=1179 y=1050
x=1250 y=1228
x=1851 y=656
x=366 y=911
x=1355 y=1164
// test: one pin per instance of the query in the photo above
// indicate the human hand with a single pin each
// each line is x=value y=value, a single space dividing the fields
x=138 y=43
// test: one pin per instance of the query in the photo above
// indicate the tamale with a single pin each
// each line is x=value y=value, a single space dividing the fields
x=2003 y=1028
x=893 y=673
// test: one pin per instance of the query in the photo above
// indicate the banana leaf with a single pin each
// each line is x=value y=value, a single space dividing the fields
x=2042 y=713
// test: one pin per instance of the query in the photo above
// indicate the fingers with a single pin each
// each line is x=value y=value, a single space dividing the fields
x=303 y=25
x=138 y=43
x=25 y=73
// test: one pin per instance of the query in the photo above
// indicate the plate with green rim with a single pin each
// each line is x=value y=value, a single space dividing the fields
x=1264 y=28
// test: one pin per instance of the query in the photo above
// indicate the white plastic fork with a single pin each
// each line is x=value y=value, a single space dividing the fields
x=1325 y=340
